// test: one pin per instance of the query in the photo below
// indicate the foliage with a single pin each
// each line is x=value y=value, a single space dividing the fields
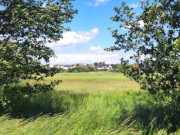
x=121 y=69
x=154 y=34
x=96 y=64
x=25 y=27
x=117 y=68
x=104 y=69
x=58 y=70
x=81 y=69
x=115 y=65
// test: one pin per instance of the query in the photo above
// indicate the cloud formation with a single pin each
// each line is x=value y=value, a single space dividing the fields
x=88 y=58
x=95 y=54
x=96 y=2
x=133 y=5
x=74 y=38
x=97 y=49
x=140 y=24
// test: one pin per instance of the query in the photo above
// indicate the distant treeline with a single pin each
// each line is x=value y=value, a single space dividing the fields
x=81 y=69
x=116 y=68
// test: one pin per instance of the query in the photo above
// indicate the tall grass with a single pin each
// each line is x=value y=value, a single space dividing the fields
x=87 y=104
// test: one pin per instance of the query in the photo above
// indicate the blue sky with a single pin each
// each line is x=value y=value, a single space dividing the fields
x=89 y=35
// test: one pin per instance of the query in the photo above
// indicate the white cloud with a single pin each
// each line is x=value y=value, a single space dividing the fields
x=133 y=5
x=89 y=3
x=74 y=38
x=126 y=27
x=140 y=23
x=84 y=58
x=96 y=2
x=97 y=50
x=96 y=54
x=44 y=5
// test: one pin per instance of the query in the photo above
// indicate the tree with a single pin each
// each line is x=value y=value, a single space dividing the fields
x=121 y=70
x=155 y=35
x=96 y=64
x=25 y=27
x=115 y=65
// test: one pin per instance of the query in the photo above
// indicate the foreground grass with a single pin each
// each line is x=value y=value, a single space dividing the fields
x=87 y=104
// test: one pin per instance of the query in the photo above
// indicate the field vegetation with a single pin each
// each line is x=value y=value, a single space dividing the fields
x=89 y=103
x=100 y=103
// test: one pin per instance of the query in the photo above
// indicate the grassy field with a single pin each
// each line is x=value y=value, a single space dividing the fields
x=87 y=104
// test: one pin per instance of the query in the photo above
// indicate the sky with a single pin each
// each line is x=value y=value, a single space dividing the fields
x=88 y=37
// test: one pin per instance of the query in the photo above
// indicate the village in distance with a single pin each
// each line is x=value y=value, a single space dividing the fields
x=82 y=67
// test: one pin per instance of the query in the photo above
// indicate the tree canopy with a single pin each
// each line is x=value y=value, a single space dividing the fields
x=25 y=27
x=157 y=39
x=154 y=37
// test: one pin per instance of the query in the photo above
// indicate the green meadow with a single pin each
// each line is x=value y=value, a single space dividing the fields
x=101 y=103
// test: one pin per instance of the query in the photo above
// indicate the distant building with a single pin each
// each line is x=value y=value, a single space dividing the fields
x=66 y=67
x=91 y=65
x=51 y=66
x=105 y=66
x=101 y=66
x=136 y=67
x=81 y=65
x=74 y=65
x=57 y=66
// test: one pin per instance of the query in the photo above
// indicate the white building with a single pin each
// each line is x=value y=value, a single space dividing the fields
x=66 y=67
x=106 y=66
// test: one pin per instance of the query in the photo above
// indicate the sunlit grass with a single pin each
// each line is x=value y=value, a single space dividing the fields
x=86 y=104
x=95 y=82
